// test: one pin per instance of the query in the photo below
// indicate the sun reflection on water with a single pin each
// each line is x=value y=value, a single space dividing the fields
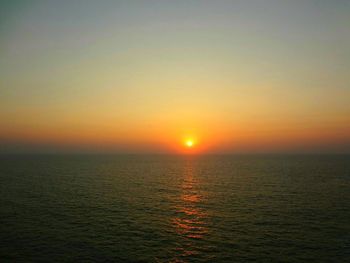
x=191 y=218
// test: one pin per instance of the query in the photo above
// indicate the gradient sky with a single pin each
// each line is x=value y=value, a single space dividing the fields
x=142 y=76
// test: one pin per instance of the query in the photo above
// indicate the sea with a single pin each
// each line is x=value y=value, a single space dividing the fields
x=174 y=208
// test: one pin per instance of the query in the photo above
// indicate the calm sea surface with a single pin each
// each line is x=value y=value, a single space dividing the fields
x=174 y=208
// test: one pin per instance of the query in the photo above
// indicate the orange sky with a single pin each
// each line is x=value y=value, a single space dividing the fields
x=144 y=77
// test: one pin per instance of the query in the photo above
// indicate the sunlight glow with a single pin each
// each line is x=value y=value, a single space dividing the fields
x=189 y=143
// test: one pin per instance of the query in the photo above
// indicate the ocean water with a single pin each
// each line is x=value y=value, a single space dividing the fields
x=86 y=208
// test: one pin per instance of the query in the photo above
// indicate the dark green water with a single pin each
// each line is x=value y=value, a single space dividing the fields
x=174 y=208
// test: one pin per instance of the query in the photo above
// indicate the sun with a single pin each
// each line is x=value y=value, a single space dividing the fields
x=189 y=143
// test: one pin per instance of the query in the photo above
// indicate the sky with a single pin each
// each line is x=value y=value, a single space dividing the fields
x=145 y=76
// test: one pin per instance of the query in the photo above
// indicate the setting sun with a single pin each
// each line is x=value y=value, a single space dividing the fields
x=189 y=143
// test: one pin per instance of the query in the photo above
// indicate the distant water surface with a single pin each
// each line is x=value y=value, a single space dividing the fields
x=58 y=208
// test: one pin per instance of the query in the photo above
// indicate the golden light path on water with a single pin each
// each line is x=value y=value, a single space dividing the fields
x=191 y=219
